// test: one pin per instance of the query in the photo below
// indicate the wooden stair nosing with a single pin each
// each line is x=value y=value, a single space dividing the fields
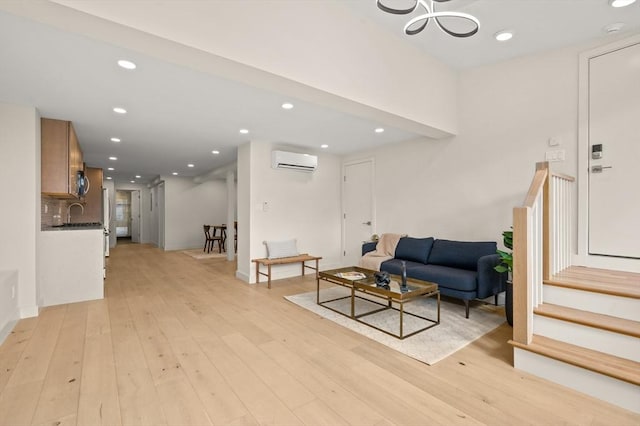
x=595 y=287
x=598 y=362
x=590 y=319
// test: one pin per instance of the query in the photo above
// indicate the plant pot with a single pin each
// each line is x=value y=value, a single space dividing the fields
x=508 y=303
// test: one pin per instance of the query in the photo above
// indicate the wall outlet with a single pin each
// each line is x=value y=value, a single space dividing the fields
x=265 y=206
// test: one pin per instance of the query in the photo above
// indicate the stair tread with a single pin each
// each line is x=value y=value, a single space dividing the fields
x=591 y=319
x=617 y=283
x=609 y=365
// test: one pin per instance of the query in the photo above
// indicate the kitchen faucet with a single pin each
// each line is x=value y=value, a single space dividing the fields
x=69 y=210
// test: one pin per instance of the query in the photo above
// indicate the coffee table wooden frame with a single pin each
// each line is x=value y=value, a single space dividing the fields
x=418 y=288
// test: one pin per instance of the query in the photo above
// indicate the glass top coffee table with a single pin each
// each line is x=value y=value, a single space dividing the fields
x=362 y=285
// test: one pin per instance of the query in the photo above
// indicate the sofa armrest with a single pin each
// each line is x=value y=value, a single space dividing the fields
x=490 y=282
x=368 y=246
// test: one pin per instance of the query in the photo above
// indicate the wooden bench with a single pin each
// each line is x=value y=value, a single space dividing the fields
x=302 y=258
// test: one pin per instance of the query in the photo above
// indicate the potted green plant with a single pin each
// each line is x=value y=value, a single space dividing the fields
x=506 y=265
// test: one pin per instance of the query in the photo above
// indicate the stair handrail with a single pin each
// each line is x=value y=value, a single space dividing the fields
x=542 y=243
x=528 y=223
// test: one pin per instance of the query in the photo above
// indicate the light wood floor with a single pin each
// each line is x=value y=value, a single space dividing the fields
x=179 y=341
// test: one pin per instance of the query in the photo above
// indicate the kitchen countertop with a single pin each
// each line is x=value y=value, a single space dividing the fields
x=74 y=227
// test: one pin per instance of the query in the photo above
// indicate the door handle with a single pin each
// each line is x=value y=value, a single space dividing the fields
x=367 y=223
x=599 y=169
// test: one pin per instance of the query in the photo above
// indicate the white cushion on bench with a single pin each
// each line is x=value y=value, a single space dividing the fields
x=278 y=249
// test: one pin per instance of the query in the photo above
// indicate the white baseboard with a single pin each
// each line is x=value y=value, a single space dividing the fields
x=608 y=262
x=616 y=392
x=7 y=328
x=29 y=311
x=243 y=276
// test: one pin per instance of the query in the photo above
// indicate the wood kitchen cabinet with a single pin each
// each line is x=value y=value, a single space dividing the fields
x=61 y=159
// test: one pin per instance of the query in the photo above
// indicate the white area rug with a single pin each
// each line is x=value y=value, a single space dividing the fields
x=430 y=346
x=199 y=254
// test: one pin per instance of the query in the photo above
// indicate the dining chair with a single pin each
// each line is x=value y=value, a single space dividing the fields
x=210 y=240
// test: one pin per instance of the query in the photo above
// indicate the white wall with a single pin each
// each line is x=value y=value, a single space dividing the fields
x=20 y=224
x=304 y=206
x=466 y=187
x=244 y=176
x=188 y=206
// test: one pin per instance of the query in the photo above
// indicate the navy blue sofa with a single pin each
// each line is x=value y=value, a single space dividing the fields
x=463 y=270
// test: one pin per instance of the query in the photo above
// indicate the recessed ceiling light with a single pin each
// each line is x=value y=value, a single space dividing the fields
x=324 y=145
x=621 y=3
x=119 y=110
x=379 y=130
x=115 y=139
x=138 y=176
x=244 y=131
x=613 y=28
x=110 y=169
x=287 y=105
x=175 y=173
x=113 y=158
x=190 y=165
x=127 y=64
x=504 y=35
x=215 y=152
x=133 y=181
x=109 y=178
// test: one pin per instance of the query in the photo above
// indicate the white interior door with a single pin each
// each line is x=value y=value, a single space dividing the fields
x=614 y=174
x=358 y=213
x=135 y=216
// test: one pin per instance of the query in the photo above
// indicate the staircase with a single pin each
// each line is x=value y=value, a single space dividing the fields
x=575 y=326
x=586 y=335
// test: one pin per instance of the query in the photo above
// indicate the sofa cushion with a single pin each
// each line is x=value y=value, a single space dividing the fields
x=444 y=276
x=414 y=249
x=394 y=266
x=460 y=254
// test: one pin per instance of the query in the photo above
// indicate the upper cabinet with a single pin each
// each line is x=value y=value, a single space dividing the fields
x=61 y=159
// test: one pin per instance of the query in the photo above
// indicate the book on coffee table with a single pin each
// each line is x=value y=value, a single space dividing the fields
x=351 y=275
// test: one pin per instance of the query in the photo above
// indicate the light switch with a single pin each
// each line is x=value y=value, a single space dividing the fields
x=557 y=155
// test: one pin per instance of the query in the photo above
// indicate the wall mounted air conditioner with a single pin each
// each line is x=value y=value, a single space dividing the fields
x=294 y=161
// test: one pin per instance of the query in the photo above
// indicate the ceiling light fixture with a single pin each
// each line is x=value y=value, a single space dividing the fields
x=110 y=169
x=379 y=130
x=175 y=173
x=138 y=176
x=190 y=165
x=324 y=146
x=215 y=152
x=419 y=23
x=504 y=35
x=127 y=64
x=119 y=110
x=113 y=158
x=109 y=178
x=115 y=139
x=287 y=105
x=133 y=181
x=244 y=131
x=621 y=3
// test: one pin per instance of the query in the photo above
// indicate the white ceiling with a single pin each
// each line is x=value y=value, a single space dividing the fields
x=178 y=115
